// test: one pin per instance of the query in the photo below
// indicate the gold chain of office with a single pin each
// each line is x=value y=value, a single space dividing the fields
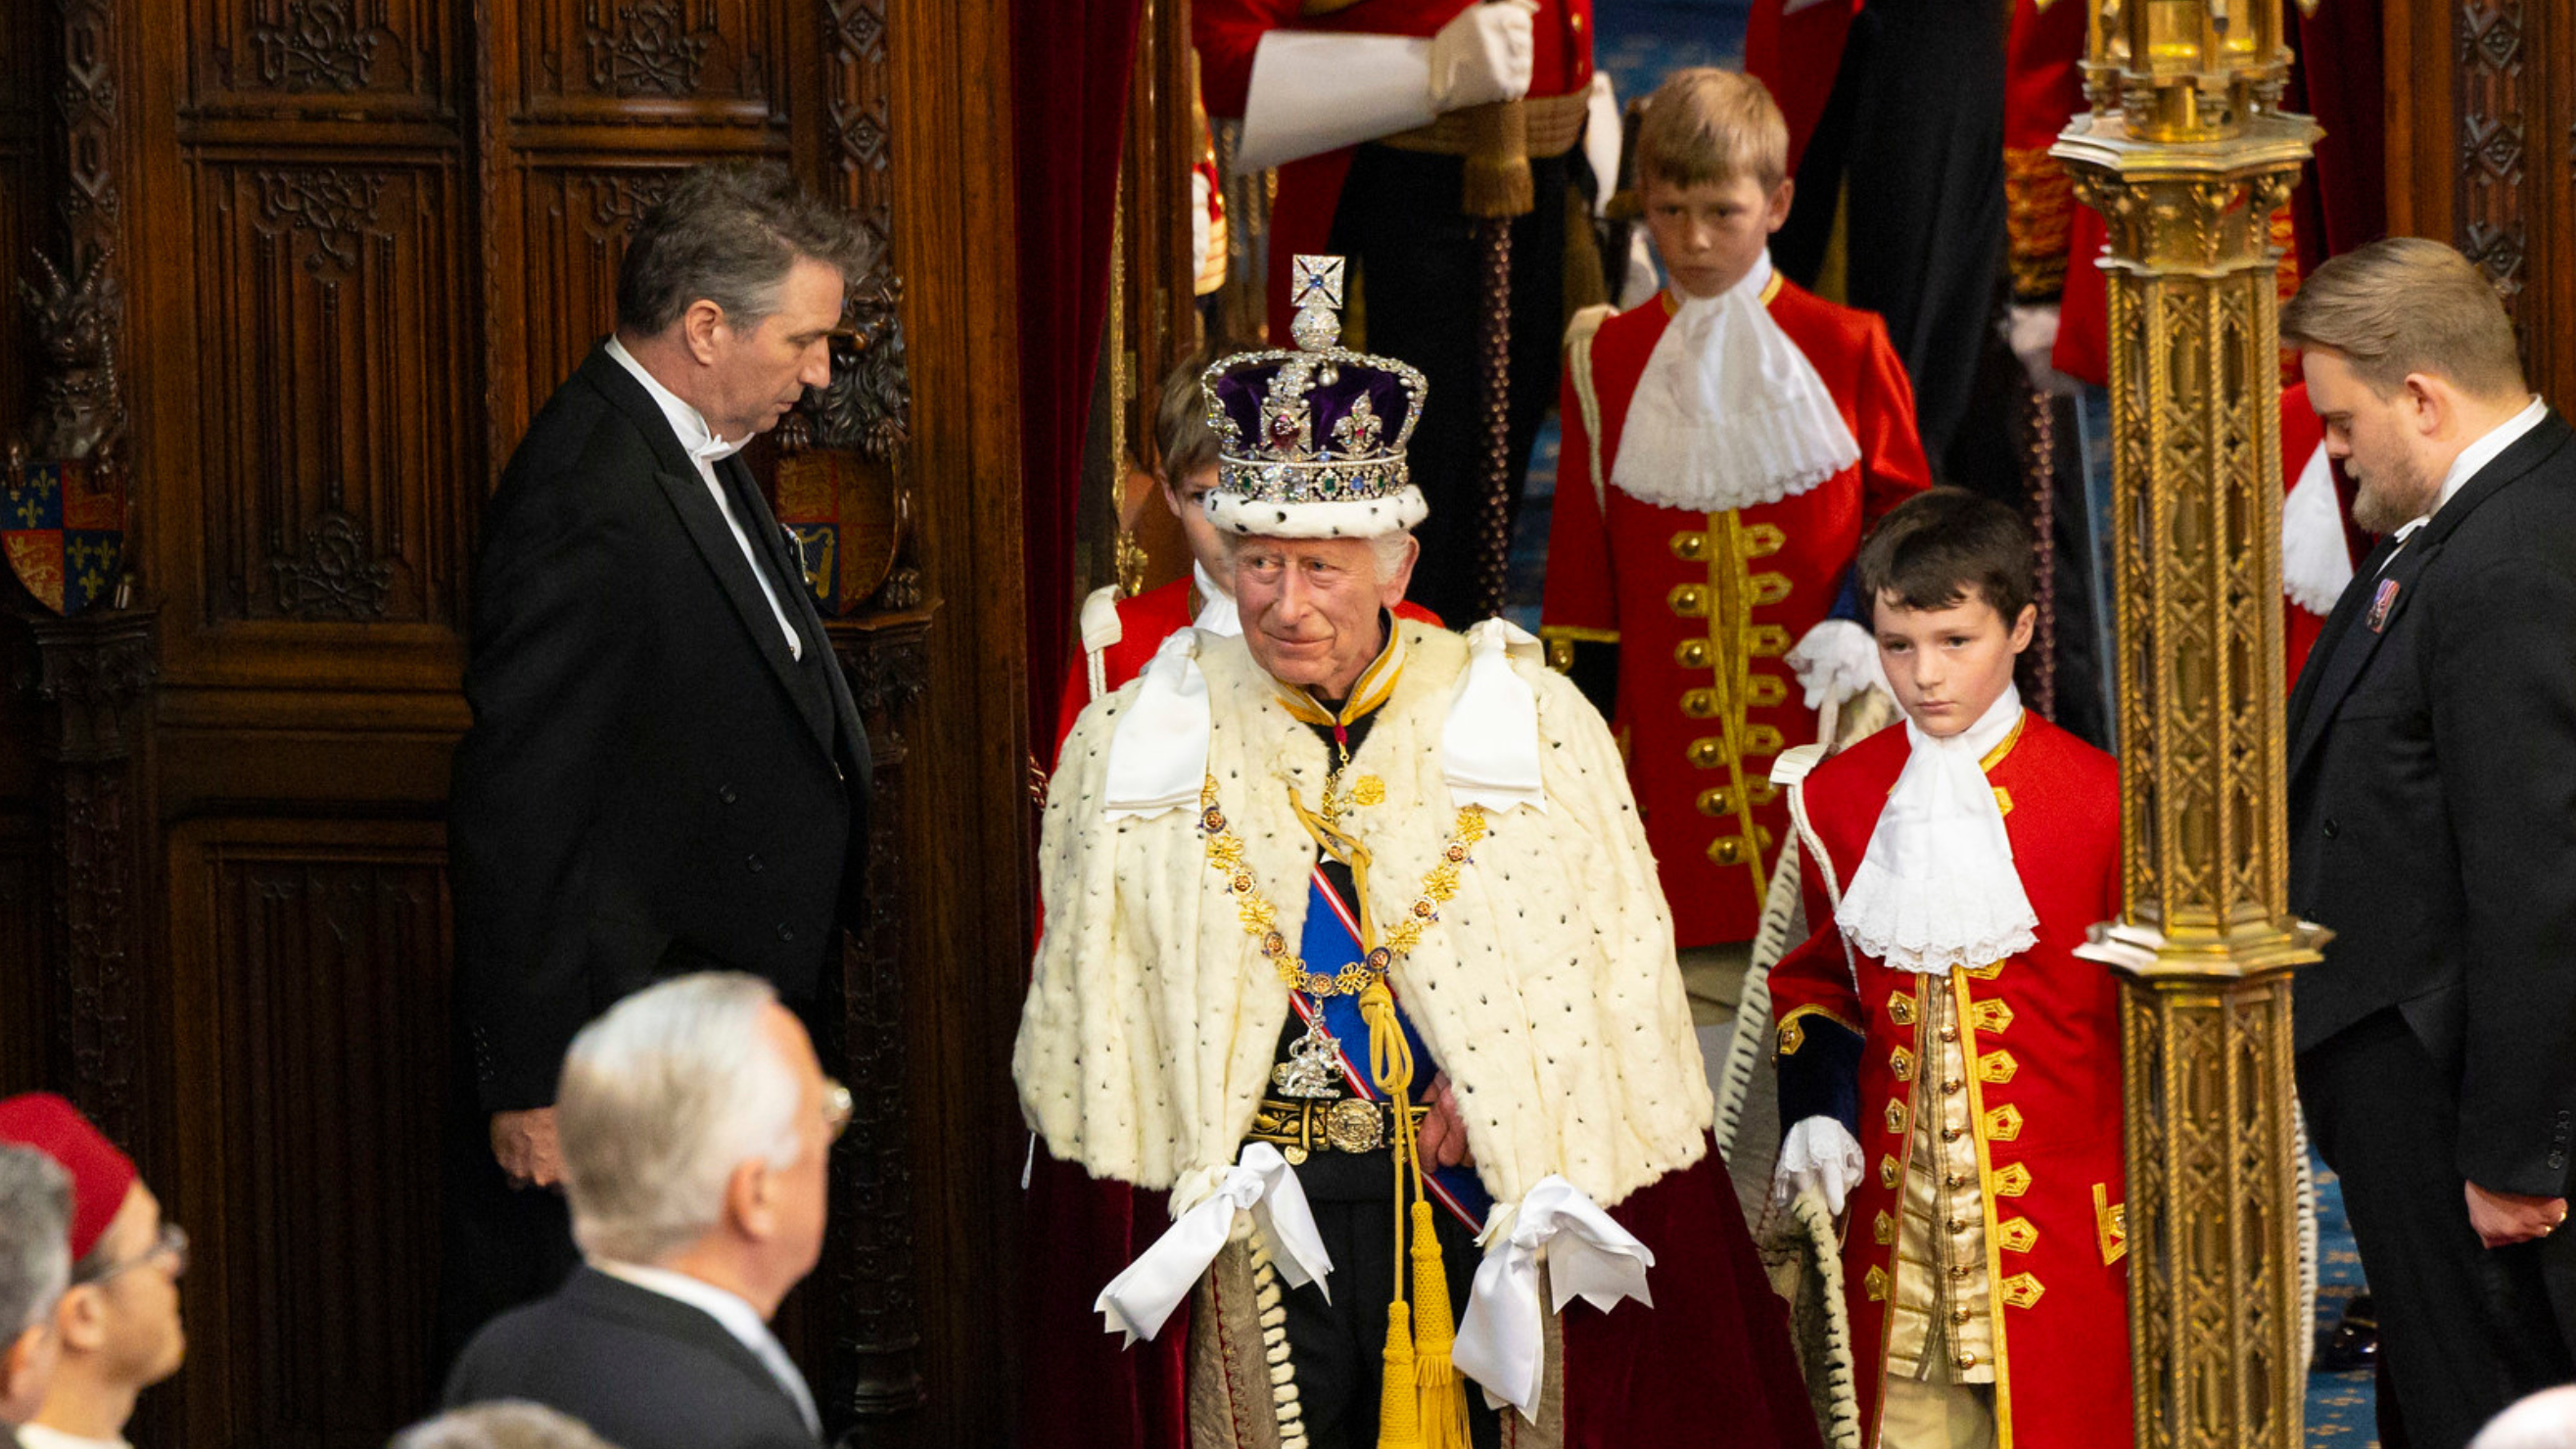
x=1260 y=916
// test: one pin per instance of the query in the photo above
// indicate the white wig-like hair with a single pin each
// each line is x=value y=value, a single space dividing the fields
x=661 y=1099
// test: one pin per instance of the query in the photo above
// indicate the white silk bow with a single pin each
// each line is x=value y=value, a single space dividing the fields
x=1502 y=1340
x=1138 y=1301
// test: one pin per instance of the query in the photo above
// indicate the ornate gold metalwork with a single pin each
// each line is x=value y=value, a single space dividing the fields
x=2186 y=156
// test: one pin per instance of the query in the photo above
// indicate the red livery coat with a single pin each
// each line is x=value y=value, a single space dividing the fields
x=2042 y=1041
x=1228 y=34
x=1617 y=569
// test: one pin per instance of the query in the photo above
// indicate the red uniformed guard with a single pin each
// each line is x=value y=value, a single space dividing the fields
x=1119 y=636
x=1726 y=445
x=1369 y=109
x=1948 y=1068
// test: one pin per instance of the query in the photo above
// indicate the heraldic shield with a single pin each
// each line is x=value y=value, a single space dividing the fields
x=62 y=525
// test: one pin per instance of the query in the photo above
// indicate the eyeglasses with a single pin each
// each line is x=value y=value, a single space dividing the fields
x=172 y=1245
x=837 y=1107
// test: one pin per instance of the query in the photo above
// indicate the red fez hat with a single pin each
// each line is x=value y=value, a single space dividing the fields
x=100 y=1174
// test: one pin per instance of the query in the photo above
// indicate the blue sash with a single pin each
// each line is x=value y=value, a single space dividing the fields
x=1328 y=944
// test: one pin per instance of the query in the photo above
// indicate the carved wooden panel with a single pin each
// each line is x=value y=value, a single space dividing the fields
x=309 y=973
x=638 y=61
x=379 y=58
x=2513 y=80
x=577 y=223
x=24 y=1060
x=25 y=212
x=333 y=417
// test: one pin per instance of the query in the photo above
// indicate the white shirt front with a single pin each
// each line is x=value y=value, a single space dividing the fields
x=705 y=449
x=733 y=1313
x=37 y=1436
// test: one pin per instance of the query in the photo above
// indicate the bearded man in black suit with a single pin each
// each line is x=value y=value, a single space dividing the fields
x=2432 y=759
x=665 y=773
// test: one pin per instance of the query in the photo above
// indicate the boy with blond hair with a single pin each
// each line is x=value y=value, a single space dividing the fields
x=1726 y=445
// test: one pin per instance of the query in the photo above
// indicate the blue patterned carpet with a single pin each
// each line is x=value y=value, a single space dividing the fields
x=2339 y=1405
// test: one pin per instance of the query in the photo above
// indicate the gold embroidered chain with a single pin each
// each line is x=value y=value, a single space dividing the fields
x=1261 y=918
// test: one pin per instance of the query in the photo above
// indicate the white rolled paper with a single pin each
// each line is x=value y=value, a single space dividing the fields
x=1138 y=1301
x=1502 y=1340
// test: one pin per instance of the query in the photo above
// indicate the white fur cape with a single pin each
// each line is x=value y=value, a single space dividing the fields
x=1547 y=989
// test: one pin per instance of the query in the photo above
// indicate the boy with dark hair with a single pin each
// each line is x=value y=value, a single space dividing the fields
x=1949 y=1071
x=1726 y=446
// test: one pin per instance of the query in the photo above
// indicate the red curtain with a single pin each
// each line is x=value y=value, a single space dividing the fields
x=1069 y=61
x=2343 y=201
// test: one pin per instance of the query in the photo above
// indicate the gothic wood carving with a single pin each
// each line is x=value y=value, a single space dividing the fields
x=875 y=1367
x=79 y=412
x=90 y=678
x=688 y=62
x=2494 y=93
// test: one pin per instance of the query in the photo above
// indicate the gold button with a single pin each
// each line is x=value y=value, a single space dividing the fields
x=1958 y=1225
x=1959 y=1315
x=1955 y=1181
x=1951 y=1087
x=1949 y=1033
x=1951 y=1134
x=1958 y=1272
x=1718 y=802
x=1689 y=601
x=1966 y=1360
x=1690 y=546
x=1699 y=703
x=1575 y=21
x=1691 y=654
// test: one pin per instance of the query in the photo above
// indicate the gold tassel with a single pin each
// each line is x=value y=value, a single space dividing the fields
x=1444 y=1394
x=1496 y=180
x=1399 y=1420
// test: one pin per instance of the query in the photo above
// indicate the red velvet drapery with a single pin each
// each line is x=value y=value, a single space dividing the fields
x=1069 y=75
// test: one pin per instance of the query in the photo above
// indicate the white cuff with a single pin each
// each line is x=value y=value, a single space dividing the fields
x=1489 y=746
x=1837 y=661
x=1502 y=1337
x=1138 y=1301
x=1313 y=93
x=1601 y=140
x=1818 y=1152
x=1158 y=754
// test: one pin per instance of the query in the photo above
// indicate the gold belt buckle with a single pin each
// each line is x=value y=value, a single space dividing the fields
x=1354 y=1125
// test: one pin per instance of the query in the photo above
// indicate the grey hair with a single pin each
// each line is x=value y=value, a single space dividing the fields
x=729 y=234
x=661 y=1099
x=35 y=1238
x=501 y=1424
x=1387 y=551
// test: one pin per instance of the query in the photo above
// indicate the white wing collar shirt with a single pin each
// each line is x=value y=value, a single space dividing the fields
x=734 y=1314
x=706 y=450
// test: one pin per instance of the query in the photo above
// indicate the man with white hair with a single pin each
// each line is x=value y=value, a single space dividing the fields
x=35 y=1267
x=1353 y=951
x=695 y=1124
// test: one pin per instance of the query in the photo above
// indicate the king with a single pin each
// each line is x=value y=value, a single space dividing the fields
x=1355 y=1050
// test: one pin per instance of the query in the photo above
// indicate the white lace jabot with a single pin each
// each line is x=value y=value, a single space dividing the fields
x=1729 y=413
x=1937 y=887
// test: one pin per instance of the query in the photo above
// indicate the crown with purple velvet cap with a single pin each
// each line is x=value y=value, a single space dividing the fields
x=1310 y=442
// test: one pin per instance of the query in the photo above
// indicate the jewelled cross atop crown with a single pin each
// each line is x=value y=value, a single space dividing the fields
x=1310 y=442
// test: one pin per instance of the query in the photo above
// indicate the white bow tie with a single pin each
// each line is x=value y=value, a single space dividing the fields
x=716 y=450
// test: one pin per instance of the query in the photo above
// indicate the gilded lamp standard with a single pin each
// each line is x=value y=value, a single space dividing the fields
x=2187 y=156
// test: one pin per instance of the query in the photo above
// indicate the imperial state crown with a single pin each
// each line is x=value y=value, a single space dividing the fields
x=1310 y=441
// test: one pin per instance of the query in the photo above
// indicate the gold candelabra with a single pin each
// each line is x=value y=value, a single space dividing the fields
x=2187 y=155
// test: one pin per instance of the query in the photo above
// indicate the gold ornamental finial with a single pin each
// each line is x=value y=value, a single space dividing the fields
x=2185 y=70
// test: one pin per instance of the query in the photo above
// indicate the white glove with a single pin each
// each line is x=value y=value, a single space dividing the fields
x=2031 y=332
x=1817 y=1153
x=1482 y=56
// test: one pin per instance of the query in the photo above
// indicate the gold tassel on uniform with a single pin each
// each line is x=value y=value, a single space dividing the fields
x=1496 y=181
x=1444 y=1396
